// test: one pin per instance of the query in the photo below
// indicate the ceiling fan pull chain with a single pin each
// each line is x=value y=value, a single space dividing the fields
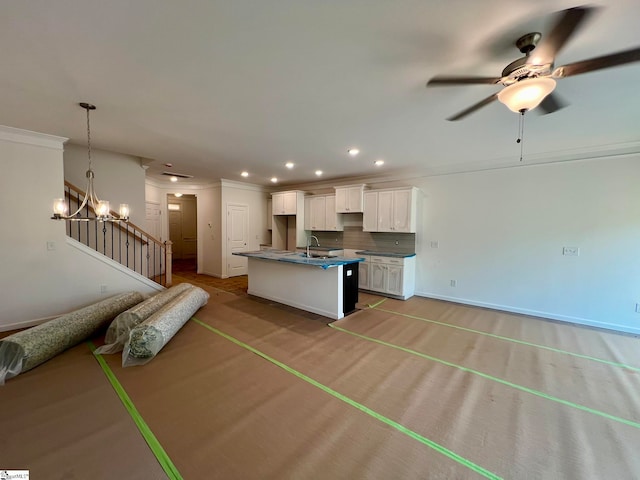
x=520 y=139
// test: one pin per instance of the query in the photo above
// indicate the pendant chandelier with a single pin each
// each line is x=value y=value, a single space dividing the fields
x=99 y=207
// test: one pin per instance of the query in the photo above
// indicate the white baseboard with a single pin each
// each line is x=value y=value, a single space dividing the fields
x=534 y=313
x=25 y=324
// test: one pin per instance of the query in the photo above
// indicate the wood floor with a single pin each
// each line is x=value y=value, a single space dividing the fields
x=424 y=389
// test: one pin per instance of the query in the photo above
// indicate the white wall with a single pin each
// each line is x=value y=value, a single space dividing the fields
x=501 y=235
x=255 y=198
x=36 y=282
x=208 y=198
x=119 y=178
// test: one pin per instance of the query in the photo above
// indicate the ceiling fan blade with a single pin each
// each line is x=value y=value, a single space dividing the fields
x=566 y=26
x=473 y=108
x=598 y=63
x=551 y=103
x=448 y=81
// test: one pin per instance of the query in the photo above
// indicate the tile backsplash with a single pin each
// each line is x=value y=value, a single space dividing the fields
x=354 y=238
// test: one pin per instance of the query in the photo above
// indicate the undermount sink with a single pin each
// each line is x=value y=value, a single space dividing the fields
x=318 y=256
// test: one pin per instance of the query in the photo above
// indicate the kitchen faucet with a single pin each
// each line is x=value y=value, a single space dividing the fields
x=309 y=243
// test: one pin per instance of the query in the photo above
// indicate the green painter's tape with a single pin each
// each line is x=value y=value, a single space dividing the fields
x=164 y=460
x=509 y=339
x=377 y=303
x=495 y=379
x=416 y=436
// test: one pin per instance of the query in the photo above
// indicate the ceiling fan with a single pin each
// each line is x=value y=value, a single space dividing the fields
x=529 y=81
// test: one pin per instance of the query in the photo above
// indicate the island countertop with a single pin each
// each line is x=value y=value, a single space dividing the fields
x=329 y=288
x=299 y=258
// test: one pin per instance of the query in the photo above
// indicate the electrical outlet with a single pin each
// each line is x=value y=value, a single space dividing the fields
x=637 y=307
x=51 y=245
x=571 y=251
x=103 y=288
x=453 y=283
x=435 y=244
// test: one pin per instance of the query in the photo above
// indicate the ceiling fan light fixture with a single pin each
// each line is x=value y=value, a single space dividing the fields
x=526 y=94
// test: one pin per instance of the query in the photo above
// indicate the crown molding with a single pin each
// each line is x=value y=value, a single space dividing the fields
x=27 y=137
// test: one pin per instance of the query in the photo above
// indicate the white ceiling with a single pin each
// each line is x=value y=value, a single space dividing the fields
x=220 y=86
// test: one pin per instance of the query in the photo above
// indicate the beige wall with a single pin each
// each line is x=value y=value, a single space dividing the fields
x=118 y=178
x=43 y=274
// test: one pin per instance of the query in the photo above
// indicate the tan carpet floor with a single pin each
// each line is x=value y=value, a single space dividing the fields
x=251 y=389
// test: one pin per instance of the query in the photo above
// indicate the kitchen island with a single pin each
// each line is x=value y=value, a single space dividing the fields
x=324 y=285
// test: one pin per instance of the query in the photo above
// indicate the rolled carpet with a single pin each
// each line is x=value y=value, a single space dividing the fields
x=118 y=332
x=24 y=350
x=148 y=338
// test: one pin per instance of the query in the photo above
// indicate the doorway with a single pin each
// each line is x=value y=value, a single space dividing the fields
x=183 y=231
x=237 y=238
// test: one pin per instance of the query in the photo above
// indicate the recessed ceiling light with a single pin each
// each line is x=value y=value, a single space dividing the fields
x=177 y=195
x=353 y=152
x=377 y=163
x=289 y=165
x=274 y=179
x=245 y=174
x=318 y=172
x=173 y=179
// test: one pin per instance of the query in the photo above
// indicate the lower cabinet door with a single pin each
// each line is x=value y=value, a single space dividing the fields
x=378 y=277
x=394 y=279
x=363 y=275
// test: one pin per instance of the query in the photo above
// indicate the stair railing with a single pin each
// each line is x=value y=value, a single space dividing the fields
x=123 y=242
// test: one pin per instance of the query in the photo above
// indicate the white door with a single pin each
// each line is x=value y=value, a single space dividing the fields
x=152 y=220
x=175 y=233
x=237 y=239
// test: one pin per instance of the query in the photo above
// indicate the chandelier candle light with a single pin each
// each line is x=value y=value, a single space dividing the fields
x=100 y=207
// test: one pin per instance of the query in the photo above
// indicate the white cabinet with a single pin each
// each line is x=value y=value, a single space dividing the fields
x=363 y=273
x=388 y=275
x=333 y=221
x=349 y=199
x=269 y=213
x=286 y=203
x=288 y=220
x=390 y=210
x=320 y=213
x=370 y=214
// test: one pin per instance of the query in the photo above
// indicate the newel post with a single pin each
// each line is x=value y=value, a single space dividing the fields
x=168 y=262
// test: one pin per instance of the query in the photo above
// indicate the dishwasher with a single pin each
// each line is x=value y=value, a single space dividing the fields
x=349 y=288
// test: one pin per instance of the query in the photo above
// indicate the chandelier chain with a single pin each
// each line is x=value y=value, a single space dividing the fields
x=89 y=138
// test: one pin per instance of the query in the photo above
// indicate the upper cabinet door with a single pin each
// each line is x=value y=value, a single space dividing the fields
x=317 y=213
x=355 y=195
x=390 y=211
x=349 y=199
x=404 y=211
x=333 y=221
x=385 y=211
x=277 y=204
x=285 y=203
x=341 y=200
x=290 y=203
x=370 y=214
